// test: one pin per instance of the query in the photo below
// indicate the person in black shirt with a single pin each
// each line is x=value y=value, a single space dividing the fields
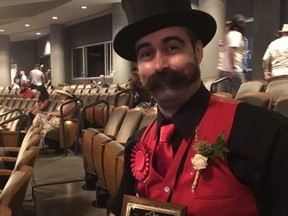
x=229 y=158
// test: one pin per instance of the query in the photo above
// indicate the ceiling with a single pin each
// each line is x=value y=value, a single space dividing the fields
x=14 y=14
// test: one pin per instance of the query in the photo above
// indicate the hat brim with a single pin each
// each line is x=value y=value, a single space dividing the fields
x=63 y=92
x=198 y=21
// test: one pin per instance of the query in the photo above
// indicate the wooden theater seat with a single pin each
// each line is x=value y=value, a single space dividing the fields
x=277 y=88
x=14 y=191
x=27 y=158
x=88 y=135
x=112 y=152
x=95 y=115
x=262 y=99
x=130 y=124
x=148 y=118
x=98 y=149
x=252 y=86
x=281 y=105
x=115 y=121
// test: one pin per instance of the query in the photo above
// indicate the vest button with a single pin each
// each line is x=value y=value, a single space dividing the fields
x=166 y=189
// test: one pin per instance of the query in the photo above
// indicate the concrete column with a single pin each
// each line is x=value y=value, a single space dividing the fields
x=121 y=67
x=57 y=56
x=5 y=73
x=216 y=8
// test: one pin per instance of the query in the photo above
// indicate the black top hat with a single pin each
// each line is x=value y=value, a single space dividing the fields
x=147 y=16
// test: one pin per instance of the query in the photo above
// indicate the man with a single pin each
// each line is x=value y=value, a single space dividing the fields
x=26 y=92
x=101 y=82
x=231 y=56
x=23 y=77
x=166 y=38
x=36 y=77
x=275 y=59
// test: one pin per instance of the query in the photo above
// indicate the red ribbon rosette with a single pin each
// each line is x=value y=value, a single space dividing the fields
x=140 y=161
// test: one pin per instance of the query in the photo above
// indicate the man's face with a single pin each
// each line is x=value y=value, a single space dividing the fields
x=167 y=62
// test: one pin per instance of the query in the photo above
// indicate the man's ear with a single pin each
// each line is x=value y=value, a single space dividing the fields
x=199 y=51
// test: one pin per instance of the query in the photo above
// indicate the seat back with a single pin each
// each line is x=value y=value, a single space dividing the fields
x=281 y=105
x=277 y=88
x=88 y=135
x=27 y=158
x=111 y=168
x=69 y=126
x=103 y=96
x=69 y=132
x=112 y=99
x=148 y=118
x=102 y=90
x=86 y=91
x=208 y=81
x=34 y=140
x=226 y=95
x=15 y=189
x=252 y=86
x=98 y=148
x=130 y=124
x=5 y=210
x=262 y=99
x=124 y=98
x=115 y=120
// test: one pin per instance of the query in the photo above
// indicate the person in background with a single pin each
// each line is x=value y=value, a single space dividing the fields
x=23 y=77
x=231 y=55
x=26 y=92
x=42 y=103
x=15 y=85
x=212 y=156
x=36 y=77
x=275 y=59
x=51 y=120
x=141 y=97
x=48 y=77
x=101 y=82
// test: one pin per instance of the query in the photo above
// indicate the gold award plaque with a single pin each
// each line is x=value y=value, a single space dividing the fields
x=137 y=206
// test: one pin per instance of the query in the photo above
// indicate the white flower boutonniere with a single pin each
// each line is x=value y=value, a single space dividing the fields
x=204 y=152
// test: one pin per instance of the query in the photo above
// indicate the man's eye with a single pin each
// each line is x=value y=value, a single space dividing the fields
x=172 y=48
x=144 y=54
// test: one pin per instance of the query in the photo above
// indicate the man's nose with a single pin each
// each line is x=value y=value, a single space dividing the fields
x=160 y=62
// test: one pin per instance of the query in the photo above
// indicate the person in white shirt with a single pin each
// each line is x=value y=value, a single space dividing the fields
x=275 y=59
x=231 y=53
x=23 y=77
x=36 y=77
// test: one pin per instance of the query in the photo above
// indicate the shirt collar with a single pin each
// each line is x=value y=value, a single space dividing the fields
x=188 y=117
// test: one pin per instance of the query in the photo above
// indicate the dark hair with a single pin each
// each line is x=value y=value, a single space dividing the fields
x=44 y=95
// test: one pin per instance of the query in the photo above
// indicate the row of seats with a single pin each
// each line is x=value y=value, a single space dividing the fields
x=103 y=149
x=16 y=170
x=79 y=89
x=270 y=94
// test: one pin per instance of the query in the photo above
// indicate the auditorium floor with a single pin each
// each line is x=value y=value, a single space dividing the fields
x=67 y=198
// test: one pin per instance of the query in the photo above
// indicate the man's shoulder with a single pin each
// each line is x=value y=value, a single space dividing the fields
x=260 y=115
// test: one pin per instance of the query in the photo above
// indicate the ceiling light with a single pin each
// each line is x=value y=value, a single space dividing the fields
x=2 y=30
x=84 y=7
x=54 y=17
x=27 y=25
x=38 y=33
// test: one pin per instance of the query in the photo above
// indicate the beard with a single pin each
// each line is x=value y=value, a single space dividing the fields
x=174 y=80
